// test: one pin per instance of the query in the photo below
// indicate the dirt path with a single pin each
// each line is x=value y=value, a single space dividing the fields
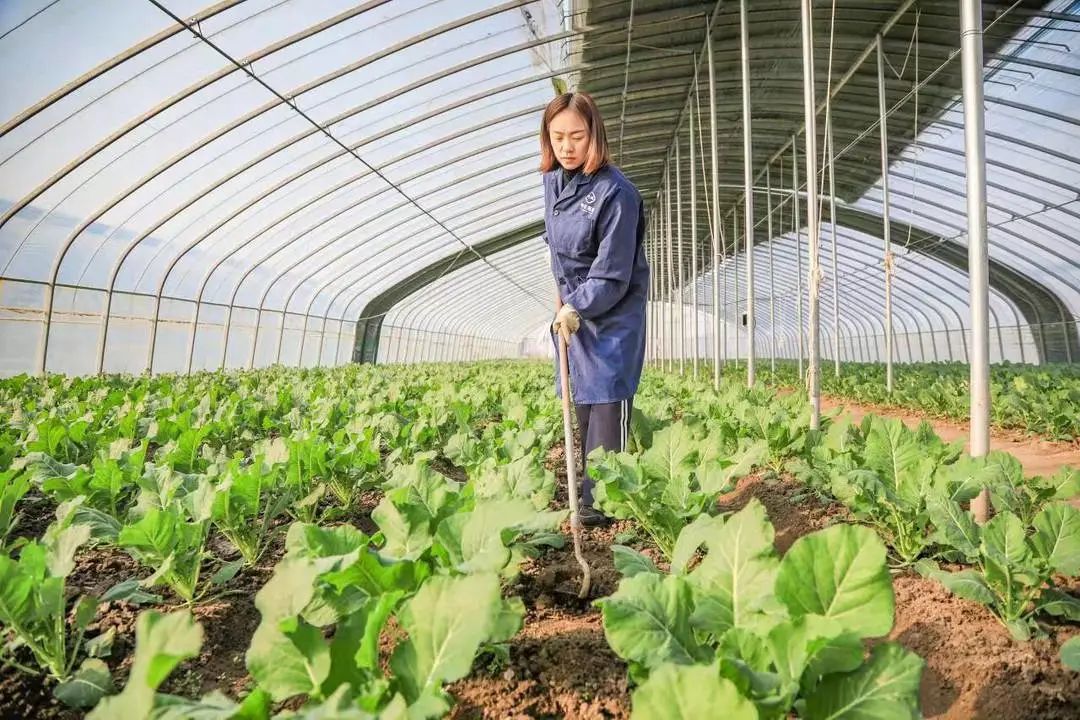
x=973 y=668
x=1038 y=456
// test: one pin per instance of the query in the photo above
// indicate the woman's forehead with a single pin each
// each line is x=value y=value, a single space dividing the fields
x=568 y=121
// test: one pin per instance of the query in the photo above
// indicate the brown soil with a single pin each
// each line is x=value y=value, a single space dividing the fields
x=792 y=509
x=560 y=665
x=1037 y=455
x=35 y=513
x=973 y=667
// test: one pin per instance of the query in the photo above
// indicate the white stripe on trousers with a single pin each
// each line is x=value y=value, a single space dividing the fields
x=623 y=426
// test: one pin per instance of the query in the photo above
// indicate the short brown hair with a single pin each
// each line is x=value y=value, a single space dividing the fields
x=583 y=104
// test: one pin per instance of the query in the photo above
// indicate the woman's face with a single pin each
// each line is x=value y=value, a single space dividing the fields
x=569 y=137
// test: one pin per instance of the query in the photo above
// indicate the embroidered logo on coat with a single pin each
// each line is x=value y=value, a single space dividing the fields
x=587 y=205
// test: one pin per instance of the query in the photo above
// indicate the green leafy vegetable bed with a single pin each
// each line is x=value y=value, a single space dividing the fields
x=1036 y=399
x=364 y=532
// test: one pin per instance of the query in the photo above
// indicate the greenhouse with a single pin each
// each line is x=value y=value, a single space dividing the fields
x=649 y=359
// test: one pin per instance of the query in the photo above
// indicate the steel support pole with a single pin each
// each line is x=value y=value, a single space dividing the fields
x=734 y=276
x=669 y=276
x=772 y=274
x=812 y=225
x=319 y=347
x=795 y=221
x=715 y=229
x=832 y=244
x=255 y=344
x=735 y=279
x=694 y=338
x=43 y=346
x=648 y=302
x=648 y=295
x=886 y=229
x=748 y=190
x=228 y=332
x=104 y=332
x=971 y=60
x=679 y=238
x=653 y=287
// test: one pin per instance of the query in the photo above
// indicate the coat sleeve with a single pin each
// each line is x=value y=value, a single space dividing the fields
x=609 y=275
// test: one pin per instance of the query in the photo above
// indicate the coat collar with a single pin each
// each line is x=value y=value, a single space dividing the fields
x=570 y=190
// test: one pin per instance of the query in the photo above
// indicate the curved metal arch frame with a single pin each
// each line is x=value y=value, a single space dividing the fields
x=515 y=256
x=453 y=291
x=326 y=244
x=375 y=308
x=850 y=278
x=354 y=66
x=290 y=213
x=239 y=122
x=285 y=310
x=205 y=82
x=334 y=156
x=253 y=114
x=1023 y=292
x=316 y=294
x=453 y=259
x=787 y=194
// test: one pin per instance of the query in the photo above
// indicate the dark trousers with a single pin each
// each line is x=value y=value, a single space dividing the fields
x=606 y=425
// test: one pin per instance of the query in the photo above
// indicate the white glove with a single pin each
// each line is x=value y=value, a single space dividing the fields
x=567 y=322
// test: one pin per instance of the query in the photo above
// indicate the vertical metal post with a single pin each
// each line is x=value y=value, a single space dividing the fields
x=885 y=215
x=319 y=348
x=832 y=244
x=303 y=342
x=191 y=338
x=281 y=336
x=337 y=343
x=812 y=225
x=694 y=338
x=649 y=293
x=679 y=238
x=654 y=279
x=735 y=278
x=228 y=332
x=795 y=218
x=715 y=230
x=670 y=275
x=104 y=332
x=156 y=317
x=971 y=60
x=43 y=346
x=748 y=190
x=772 y=273
x=255 y=344
x=652 y=289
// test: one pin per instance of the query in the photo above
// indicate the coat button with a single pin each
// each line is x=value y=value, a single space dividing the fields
x=556 y=212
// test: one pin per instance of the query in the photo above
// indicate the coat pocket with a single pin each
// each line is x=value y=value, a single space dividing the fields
x=573 y=234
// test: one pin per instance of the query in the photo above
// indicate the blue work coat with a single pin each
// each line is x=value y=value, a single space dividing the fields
x=596 y=234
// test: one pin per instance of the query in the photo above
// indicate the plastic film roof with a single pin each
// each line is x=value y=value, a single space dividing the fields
x=255 y=181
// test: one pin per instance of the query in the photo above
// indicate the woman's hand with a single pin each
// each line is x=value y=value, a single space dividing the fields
x=566 y=322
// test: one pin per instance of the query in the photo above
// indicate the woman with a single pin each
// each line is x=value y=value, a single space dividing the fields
x=595 y=231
